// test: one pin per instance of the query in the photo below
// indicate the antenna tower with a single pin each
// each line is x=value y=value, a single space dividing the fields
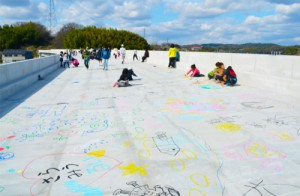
x=52 y=16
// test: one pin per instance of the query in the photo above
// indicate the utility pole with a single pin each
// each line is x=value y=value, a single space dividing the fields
x=52 y=16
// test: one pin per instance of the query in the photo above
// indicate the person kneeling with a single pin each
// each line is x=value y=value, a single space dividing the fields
x=194 y=72
x=229 y=77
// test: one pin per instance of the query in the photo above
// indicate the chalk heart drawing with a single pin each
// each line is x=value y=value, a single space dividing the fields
x=53 y=172
x=132 y=169
x=228 y=127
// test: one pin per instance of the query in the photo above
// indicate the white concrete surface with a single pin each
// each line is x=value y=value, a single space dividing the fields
x=79 y=136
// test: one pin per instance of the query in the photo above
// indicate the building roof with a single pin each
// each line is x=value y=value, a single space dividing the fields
x=13 y=51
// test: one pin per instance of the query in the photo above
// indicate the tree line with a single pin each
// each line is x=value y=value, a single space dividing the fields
x=34 y=35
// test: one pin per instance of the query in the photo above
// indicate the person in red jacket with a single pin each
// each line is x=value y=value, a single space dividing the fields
x=193 y=72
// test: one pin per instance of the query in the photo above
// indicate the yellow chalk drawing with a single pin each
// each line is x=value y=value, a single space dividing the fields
x=132 y=168
x=196 y=190
x=228 y=127
x=140 y=136
x=126 y=144
x=284 y=136
x=189 y=154
x=259 y=150
x=181 y=163
x=98 y=153
x=205 y=180
x=144 y=153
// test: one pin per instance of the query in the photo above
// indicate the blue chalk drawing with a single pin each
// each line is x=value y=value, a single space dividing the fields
x=73 y=186
x=6 y=156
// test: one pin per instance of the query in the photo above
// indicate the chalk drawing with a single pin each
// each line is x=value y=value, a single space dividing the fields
x=262 y=188
x=97 y=154
x=166 y=144
x=228 y=127
x=256 y=105
x=6 y=156
x=75 y=187
x=210 y=86
x=132 y=169
x=283 y=136
x=1 y=189
x=260 y=150
x=144 y=190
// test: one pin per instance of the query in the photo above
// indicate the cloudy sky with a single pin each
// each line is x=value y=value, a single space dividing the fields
x=172 y=21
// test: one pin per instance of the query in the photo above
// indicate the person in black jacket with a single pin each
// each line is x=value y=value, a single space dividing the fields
x=146 y=55
x=123 y=80
x=130 y=74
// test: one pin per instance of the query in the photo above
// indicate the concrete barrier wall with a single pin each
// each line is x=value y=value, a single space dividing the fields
x=18 y=75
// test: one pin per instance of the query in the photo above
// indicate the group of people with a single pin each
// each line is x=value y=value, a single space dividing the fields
x=66 y=58
x=220 y=74
x=144 y=57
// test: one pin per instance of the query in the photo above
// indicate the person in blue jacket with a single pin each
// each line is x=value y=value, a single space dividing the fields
x=105 y=53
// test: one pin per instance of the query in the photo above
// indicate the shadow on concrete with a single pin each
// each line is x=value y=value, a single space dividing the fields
x=13 y=101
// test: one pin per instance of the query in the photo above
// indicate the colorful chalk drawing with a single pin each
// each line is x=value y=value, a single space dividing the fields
x=283 y=136
x=259 y=150
x=132 y=169
x=1 y=189
x=75 y=187
x=71 y=166
x=228 y=127
x=190 y=109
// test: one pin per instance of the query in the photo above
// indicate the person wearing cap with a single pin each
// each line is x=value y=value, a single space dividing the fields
x=130 y=74
x=123 y=53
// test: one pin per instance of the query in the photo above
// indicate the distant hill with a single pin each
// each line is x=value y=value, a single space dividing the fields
x=259 y=48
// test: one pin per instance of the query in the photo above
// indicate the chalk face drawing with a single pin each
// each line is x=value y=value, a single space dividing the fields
x=144 y=190
x=166 y=144
x=133 y=169
x=56 y=176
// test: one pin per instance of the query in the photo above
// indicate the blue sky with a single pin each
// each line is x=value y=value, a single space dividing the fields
x=173 y=21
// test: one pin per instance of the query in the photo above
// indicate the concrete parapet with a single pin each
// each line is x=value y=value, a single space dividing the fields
x=19 y=75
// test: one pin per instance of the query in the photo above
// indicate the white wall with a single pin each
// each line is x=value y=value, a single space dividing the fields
x=18 y=75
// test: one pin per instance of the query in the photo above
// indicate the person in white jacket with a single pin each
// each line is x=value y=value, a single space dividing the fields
x=123 y=53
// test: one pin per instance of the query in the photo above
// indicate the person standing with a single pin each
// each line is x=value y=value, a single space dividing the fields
x=105 y=53
x=86 y=55
x=135 y=55
x=146 y=55
x=123 y=53
x=172 y=56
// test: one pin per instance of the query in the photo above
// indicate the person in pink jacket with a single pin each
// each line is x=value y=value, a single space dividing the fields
x=193 y=72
